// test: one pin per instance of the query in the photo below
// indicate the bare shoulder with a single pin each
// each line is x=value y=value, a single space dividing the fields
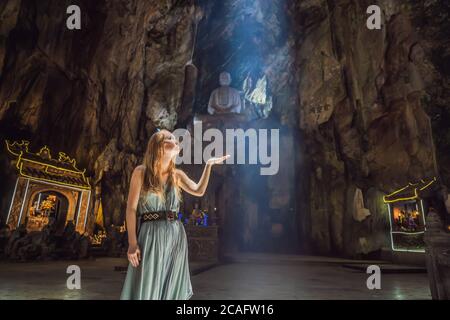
x=139 y=171
x=139 y=168
x=180 y=173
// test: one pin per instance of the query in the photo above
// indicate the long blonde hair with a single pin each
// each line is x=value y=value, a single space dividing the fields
x=153 y=171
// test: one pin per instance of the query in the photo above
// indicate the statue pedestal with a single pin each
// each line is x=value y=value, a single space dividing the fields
x=437 y=242
x=203 y=243
x=230 y=120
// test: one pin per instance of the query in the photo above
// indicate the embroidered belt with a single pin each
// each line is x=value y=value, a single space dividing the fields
x=159 y=215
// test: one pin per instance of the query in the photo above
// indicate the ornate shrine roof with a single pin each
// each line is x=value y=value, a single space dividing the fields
x=410 y=192
x=41 y=166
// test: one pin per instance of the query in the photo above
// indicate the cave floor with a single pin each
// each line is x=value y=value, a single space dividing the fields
x=267 y=277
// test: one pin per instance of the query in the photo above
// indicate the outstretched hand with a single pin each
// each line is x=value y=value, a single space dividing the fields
x=217 y=160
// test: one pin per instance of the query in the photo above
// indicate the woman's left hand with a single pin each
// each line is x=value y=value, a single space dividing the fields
x=217 y=160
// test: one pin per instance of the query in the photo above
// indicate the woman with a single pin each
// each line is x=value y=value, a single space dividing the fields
x=158 y=252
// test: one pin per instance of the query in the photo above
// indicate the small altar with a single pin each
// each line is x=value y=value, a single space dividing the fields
x=203 y=242
x=47 y=189
x=408 y=209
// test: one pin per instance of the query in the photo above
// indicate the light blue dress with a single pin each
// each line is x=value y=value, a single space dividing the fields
x=163 y=272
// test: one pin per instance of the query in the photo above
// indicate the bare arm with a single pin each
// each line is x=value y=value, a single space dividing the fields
x=198 y=189
x=133 y=198
x=195 y=189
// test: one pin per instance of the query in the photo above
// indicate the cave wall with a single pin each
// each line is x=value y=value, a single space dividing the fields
x=253 y=40
x=96 y=93
x=361 y=99
x=355 y=101
x=247 y=39
x=431 y=20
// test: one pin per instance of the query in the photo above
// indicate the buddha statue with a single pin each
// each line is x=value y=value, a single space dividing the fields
x=224 y=99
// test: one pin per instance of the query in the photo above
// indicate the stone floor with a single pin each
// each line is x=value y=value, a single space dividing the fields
x=266 y=277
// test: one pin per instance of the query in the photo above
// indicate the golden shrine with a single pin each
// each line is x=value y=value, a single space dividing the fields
x=407 y=210
x=47 y=189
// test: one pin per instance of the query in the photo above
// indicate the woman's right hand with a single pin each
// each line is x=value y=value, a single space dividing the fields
x=217 y=160
x=134 y=255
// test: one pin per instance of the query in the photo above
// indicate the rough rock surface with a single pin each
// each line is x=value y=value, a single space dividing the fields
x=97 y=93
x=378 y=136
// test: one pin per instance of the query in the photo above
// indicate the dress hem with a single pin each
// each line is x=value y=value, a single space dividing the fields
x=189 y=295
